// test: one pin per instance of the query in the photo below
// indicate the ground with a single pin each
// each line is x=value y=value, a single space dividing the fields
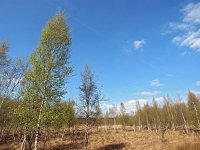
x=111 y=139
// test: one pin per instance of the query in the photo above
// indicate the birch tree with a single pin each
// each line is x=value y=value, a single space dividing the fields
x=113 y=113
x=44 y=82
x=89 y=99
x=122 y=115
x=169 y=111
x=193 y=109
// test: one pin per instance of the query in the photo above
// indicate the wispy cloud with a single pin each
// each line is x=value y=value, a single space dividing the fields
x=198 y=83
x=192 y=13
x=150 y=93
x=156 y=83
x=138 y=44
x=188 y=32
x=133 y=45
x=190 y=39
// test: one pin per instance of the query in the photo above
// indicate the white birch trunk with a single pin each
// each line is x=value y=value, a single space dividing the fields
x=185 y=123
x=196 y=112
x=38 y=126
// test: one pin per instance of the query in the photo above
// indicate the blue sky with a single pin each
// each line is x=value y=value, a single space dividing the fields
x=137 y=49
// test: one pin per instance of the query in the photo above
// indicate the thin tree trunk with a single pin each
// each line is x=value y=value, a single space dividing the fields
x=139 y=124
x=2 y=132
x=38 y=126
x=173 y=124
x=171 y=116
x=45 y=138
x=185 y=123
x=124 y=125
x=196 y=112
x=86 y=126
x=86 y=139
x=23 y=145
x=63 y=133
x=13 y=134
x=37 y=134
x=147 y=122
x=86 y=133
x=148 y=128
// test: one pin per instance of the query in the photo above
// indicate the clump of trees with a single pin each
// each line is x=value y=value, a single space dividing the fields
x=11 y=73
x=175 y=115
x=31 y=93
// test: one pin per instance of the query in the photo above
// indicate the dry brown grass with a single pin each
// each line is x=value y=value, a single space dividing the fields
x=110 y=139
x=189 y=146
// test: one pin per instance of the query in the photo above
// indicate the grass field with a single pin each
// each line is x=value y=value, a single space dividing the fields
x=110 y=139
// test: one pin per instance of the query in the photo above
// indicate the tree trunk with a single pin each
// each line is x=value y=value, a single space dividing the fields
x=185 y=123
x=37 y=135
x=38 y=126
x=196 y=112
x=86 y=126
x=63 y=134
x=45 y=138
x=2 y=132
x=139 y=125
x=23 y=145
x=86 y=139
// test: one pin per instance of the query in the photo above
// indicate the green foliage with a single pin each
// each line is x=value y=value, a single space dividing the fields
x=125 y=120
x=6 y=112
x=43 y=83
x=169 y=114
x=62 y=114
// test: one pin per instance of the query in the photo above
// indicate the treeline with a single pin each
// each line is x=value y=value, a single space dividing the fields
x=63 y=115
x=177 y=115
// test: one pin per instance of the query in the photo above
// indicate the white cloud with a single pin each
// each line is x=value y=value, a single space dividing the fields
x=195 y=92
x=188 y=27
x=131 y=45
x=190 y=39
x=156 y=82
x=198 y=83
x=150 y=93
x=191 y=13
x=131 y=105
x=179 y=26
x=138 y=44
x=105 y=107
x=177 y=39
